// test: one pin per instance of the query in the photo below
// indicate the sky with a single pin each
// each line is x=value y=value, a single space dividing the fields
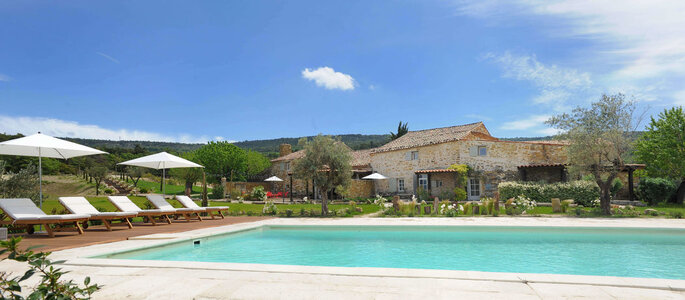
x=196 y=71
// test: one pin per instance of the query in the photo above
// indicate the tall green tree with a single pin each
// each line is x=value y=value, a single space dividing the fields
x=222 y=159
x=22 y=184
x=599 y=138
x=256 y=163
x=662 y=147
x=402 y=129
x=327 y=164
x=188 y=175
x=98 y=173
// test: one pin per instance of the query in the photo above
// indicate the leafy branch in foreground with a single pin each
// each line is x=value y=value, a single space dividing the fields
x=50 y=285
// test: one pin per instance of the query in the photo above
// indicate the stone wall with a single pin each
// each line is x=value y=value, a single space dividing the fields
x=361 y=188
x=499 y=164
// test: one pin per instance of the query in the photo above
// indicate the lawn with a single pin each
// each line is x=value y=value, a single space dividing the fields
x=170 y=189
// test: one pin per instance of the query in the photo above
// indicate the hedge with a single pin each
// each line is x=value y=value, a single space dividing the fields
x=655 y=190
x=582 y=191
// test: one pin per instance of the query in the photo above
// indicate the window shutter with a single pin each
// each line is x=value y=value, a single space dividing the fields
x=407 y=156
x=392 y=185
x=433 y=184
x=473 y=151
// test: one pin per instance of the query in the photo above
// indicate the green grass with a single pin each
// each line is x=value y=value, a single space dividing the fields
x=170 y=189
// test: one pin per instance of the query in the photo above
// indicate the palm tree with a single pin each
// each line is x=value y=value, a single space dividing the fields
x=401 y=130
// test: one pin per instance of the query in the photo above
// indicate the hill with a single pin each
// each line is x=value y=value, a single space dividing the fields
x=267 y=147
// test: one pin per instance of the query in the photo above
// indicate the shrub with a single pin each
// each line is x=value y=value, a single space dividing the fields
x=217 y=192
x=655 y=190
x=582 y=191
x=446 y=195
x=270 y=208
x=303 y=212
x=288 y=213
x=616 y=186
x=234 y=194
x=422 y=194
x=258 y=193
x=143 y=190
x=459 y=194
x=109 y=191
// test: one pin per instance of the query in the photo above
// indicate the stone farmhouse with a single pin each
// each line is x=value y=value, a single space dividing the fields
x=420 y=159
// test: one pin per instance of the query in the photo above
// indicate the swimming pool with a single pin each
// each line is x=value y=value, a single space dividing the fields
x=627 y=252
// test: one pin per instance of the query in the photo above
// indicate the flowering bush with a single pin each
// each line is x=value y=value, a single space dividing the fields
x=524 y=204
x=380 y=201
x=595 y=203
x=270 y=208
x=449 y=210
x=581 y=191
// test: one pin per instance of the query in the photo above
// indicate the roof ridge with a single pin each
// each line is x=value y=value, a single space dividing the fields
x=462 y=125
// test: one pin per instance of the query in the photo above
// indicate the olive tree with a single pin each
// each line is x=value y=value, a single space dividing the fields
x=662 y=147
x=98 y=173
x=326 y=163
x=22 y=184
x=599 y=140
x=188 y=175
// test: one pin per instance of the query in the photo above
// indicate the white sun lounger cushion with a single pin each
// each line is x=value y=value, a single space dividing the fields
x=24 y=209
x=125 y=204
x=159 y=202
x=187 y=202
x=80 y=205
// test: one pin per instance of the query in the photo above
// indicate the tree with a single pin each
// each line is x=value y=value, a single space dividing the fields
x=326 y=163
x=402 y=129
x=256 y=163
x=222 y=159
x=599 y=140
x=662 y=147
x=22 y=184
x=98 y=174
x=189 y=175
x=135 y=173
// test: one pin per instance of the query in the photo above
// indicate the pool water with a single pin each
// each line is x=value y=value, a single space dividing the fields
x=653 y=253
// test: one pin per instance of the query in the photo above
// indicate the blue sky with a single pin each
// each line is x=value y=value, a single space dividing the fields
x=195 y=71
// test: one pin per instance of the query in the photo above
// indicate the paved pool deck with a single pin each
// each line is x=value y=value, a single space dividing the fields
x=129 y=279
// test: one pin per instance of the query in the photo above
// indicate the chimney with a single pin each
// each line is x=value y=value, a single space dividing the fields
x=284 y=149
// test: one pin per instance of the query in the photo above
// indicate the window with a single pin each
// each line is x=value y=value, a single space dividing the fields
x=287 y=166
x=414 y=155
x=400 y=185
x=423 y=181
x=474 y=189
x=438 y=183
x=482 y=151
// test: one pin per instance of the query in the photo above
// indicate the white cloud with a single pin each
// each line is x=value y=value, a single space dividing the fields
x=4 y=77
x=556 y=84
x=548 y=131
x=112 y=59
x=637 y=43
x=329 y=78
x=527 y=123
x=62 y=128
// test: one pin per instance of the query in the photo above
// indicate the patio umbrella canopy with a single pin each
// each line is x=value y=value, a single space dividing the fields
x=162 y=161
x=375 y=176
x=41 y=145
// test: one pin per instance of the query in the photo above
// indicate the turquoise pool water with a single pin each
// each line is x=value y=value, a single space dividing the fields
x=654 y=253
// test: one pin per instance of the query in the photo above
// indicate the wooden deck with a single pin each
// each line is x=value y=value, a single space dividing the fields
x=98 y=234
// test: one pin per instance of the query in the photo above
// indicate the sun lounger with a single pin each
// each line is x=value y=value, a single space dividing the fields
x=189 y=203
x=22 y=211
x=123 y=203
x=80 y=205
x=159 y=202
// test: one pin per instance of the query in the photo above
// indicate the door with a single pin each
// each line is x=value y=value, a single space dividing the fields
x=473 y=189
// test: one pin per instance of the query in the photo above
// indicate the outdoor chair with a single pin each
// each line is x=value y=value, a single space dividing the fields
x=80 y=205
x=22 y=211
x=159 y=202
x=189 y=203
x=123 y=203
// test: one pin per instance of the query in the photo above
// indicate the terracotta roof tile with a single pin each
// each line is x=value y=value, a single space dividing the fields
x=432 y=136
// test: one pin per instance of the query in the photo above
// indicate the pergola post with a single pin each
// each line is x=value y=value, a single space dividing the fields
x=630 y=184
